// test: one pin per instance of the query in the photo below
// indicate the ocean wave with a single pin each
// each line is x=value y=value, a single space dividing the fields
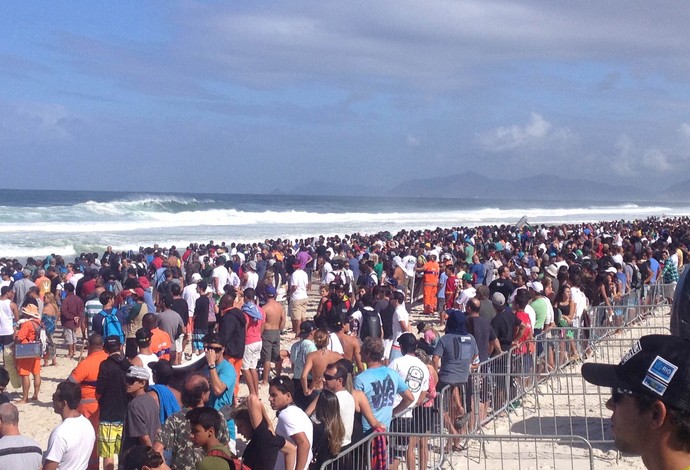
x=111 y=218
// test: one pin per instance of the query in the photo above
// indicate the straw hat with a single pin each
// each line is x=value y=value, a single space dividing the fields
x=32 y=311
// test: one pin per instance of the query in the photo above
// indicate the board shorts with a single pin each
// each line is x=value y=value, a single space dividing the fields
x=251 y=355
x=298 y=309
x=270 y=346
x=109 y=439
x=28 y=365
x=70 y=336
x=198 y=340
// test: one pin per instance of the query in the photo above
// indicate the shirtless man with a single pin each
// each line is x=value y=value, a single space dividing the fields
x=351 y=346
x=317 y=362
x=270 y=334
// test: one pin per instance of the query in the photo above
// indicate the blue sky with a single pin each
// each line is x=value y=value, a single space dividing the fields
x=257 y=96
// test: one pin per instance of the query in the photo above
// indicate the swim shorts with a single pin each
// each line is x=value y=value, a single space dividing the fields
x=251 y=355
x=298 y=309
x=270 y=345
x=109 y=439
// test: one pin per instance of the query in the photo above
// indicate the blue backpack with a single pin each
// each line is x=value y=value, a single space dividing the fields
x=112 y=326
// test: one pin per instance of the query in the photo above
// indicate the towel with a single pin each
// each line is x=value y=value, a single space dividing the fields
x=166 y=399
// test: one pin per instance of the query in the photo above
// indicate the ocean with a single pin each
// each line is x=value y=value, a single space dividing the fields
x=37 y=223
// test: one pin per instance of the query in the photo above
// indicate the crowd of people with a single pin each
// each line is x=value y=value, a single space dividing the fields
x=139 y=323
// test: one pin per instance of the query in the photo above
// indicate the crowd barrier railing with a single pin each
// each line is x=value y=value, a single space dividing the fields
x=533 y=391
x=499 y=451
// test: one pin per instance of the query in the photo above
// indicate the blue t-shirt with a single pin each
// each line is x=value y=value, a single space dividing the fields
x=228 y=376
x=654 y=266
x=380 y=385
x=442 y=281
x=480 y=271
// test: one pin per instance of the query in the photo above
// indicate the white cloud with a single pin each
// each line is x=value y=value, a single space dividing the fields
x=413 y=141
x=655 y=160
x=534 y=133
x=631 y=160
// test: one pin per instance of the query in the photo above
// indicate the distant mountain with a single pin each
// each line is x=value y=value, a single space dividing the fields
x=551 y=187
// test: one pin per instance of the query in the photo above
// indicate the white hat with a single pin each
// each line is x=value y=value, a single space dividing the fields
x=196 y=277
x=536 y=286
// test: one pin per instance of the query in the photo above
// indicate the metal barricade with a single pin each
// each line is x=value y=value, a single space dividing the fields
x=552 y=398
x=501 y=451
x=532 y=393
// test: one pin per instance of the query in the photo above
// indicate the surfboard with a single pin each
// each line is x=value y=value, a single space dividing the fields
x=8 y=358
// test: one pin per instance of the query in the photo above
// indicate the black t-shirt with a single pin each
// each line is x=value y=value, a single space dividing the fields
x=181 y=307
x=201 y=313
x=231 y=329
x=504 y=324
x=262 y=451
x=483 y=334
x=387 y=320
x=504 y=286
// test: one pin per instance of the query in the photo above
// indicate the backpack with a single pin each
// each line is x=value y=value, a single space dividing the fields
x=343 y=279
x=40 y=335
x=112 y=326
x=636 y=280
x=365 y=280
x=371 y=324
x=233 y=463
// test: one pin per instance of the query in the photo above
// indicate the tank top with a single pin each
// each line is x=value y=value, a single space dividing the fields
x=347 y=413
x=145 y=359
x=6 y=318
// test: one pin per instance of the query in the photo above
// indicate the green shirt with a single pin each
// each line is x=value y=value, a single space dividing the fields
x=215 y=463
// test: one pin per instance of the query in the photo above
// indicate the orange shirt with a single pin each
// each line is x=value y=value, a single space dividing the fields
x=86 y=374
x=43 y=284
x=27 y=331
x=431 y=272
x=160 y=344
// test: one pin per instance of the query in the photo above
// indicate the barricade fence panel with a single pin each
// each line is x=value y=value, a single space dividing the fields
x=527 y=393
x=475 y=452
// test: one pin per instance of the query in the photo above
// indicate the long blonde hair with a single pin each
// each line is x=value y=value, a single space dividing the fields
x=328 y=412
x=49 y=299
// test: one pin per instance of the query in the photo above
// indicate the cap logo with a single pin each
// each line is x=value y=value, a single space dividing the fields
x=662 y=369
x=659 y=375
x=654 y=385
x=637 y=347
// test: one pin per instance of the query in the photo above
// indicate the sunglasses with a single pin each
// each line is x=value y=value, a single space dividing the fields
x=213 y=348
x=617 y=394
x=330 y=377
x=131 y=380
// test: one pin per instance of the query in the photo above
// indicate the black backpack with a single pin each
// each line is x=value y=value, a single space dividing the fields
x=371 y=324
x=636 y=281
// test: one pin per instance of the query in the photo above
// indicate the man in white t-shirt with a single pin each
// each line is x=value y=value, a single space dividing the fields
x=220 y=276
x=416 y=375
x=299 y=286
x=401 y=323
x=468 y=292
x=71 y=442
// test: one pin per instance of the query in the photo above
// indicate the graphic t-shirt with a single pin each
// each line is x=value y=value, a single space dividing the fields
x=380 y=385
x=415 y=374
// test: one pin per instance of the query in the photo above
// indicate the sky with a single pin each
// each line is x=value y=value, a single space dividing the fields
x=256 y=96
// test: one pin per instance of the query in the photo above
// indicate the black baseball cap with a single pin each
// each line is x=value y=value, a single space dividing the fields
x=656 y=366
x=306 y=327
